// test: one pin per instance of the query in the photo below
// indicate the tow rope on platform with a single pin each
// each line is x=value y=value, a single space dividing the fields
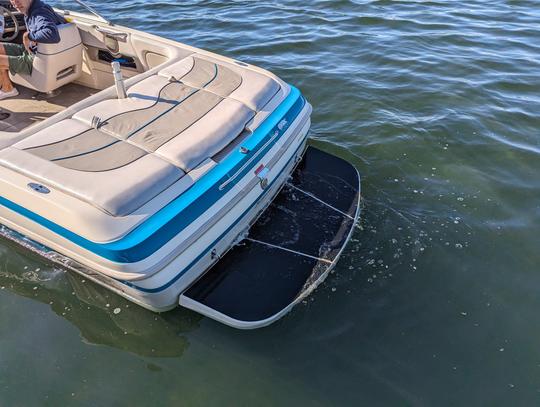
x=321 y=201
x=289 y=250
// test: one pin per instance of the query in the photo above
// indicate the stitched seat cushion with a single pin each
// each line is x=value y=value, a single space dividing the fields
x=110 y=174
x=205 y=138
x=251 y=88
x=119 y=154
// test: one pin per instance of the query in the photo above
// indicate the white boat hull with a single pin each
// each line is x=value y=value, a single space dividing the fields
x=144 y=194
x=146 y=292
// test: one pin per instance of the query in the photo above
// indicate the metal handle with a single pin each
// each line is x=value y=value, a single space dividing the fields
x=115 y=35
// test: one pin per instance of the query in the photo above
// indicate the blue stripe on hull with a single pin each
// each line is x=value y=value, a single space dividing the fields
x=161 y=227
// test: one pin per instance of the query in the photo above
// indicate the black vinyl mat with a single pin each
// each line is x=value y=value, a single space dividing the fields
x=294 y=242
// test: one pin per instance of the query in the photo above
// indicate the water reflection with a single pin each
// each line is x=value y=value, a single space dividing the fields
x=102 y=317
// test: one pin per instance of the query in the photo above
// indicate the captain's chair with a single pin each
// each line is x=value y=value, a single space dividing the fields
x=55 y=65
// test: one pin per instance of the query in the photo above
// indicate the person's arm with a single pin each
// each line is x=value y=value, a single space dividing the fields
x=28 y=43
x=44 y=31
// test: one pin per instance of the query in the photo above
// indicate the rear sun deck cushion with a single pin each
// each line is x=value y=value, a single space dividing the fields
x=110 y=178
x=253 y=89
x=220 y=127
x=119 y=154
x=178 y=99
x=186 y=113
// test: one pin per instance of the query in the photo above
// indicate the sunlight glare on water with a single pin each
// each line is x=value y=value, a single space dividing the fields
x=435 y=301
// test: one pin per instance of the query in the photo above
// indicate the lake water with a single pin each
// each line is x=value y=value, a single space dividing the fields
x=436 y=299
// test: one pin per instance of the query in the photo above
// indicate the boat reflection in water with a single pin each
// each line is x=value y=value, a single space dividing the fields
x=102 y=317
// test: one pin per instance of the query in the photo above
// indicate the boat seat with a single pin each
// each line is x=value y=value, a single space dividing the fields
x=205 y=138
x=253 y=89
x=55 y=65
x=120 y=153
x=195 y=95
x=99 y=169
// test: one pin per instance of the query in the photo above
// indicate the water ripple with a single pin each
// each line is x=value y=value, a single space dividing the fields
x=437 y=104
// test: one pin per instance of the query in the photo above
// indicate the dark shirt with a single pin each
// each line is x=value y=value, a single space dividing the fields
x=41 y=22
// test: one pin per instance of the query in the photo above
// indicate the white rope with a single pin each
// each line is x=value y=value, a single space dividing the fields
x=289 y=250
x=318 y=200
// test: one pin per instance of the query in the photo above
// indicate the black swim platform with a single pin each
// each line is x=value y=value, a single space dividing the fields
x=289 y=250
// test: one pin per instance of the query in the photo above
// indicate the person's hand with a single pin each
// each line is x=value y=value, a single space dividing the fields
x=28 y=43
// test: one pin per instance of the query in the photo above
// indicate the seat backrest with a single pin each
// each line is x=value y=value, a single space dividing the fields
x=69 y=38
x=55 y=65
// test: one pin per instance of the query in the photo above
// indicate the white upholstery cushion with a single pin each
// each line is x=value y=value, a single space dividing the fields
x=110 y=108
x=149 y=88
x=118 y=192
x=53 y=134
x=140 y=96
x=255 y=91
x=208 y=136
x=179 y=69
x=183 y=124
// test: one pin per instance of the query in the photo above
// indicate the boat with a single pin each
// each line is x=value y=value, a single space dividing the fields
x=170 y=175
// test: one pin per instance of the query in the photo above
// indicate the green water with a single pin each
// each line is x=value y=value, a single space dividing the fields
x=435 y=301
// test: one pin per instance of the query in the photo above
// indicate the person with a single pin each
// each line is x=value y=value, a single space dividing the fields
x=41 y=27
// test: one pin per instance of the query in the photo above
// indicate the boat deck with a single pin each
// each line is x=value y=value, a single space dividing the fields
x=16 y=114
